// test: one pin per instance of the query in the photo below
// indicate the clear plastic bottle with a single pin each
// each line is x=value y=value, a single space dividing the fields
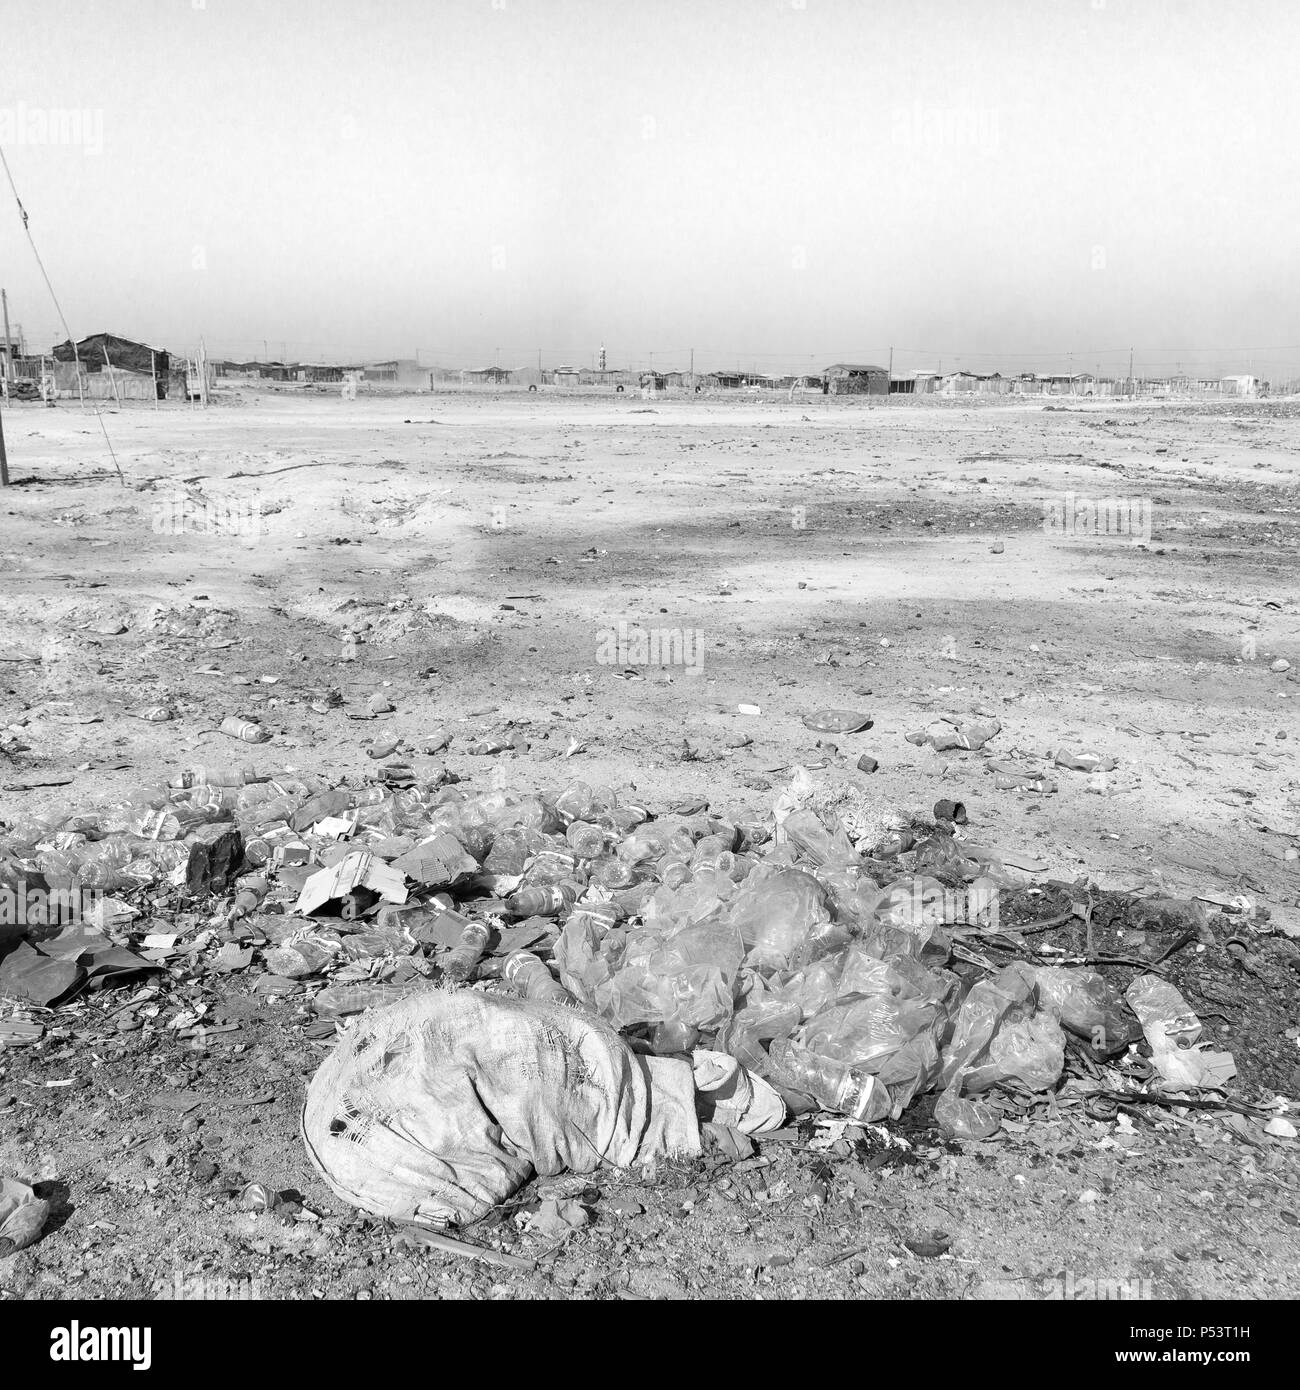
x=214 y=775
x=113 y=869
x=612 y=872
x=215 y=798
x=574 y=802
x=585 y=839
x=835 y=1085
x=511 y=850
x=650 y=842
x=532 y=813
x=550 y=866
x=32 y=830
x=532 y=979
x=672 y=871
x=465 y=954
x=622 y=820
x=547 y=901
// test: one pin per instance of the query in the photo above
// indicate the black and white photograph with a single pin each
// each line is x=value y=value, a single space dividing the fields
x=649 y=652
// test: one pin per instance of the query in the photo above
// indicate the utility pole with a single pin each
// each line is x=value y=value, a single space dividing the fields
x=1130 y=372
x=4 y=458
x=9 y=346
x=692 y=366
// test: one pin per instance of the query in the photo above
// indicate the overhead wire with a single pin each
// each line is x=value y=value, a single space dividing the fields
x=76 y=356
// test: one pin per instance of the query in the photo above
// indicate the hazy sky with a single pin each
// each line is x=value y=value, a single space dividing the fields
x=777 y=183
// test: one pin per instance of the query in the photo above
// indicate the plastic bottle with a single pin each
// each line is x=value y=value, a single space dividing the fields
x=258 y=850
x=574 y=802
x=673 y=872
x=509 y=853
x=368 y=796
x=532 y=813
x=835 y=1085
x=410 y=916
x=280 y=808
x=547 y=901
x=213 y=775
x=31 y=830
x=651 y=842
x=88 y=827
x=612 y=872
x=215 y=798
x=551 y=866
x=243 y=729
x=532 y=979
x=586 y=840
x=465 y=956
x=623 y=819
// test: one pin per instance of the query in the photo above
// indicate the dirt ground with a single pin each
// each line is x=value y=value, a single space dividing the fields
x=890 y=557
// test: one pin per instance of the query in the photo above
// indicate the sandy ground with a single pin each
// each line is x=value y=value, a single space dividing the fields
x=483 y=549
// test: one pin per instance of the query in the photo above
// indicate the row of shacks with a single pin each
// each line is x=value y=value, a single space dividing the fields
x=861 y=379
x=108 y=367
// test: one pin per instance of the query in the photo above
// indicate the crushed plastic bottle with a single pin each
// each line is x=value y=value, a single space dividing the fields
x=529 y=975
x=835 y=1085
x=466 y=955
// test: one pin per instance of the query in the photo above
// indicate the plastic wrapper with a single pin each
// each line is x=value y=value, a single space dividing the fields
x=1088 y=1006
x=1000 y=1036
x=783 y=919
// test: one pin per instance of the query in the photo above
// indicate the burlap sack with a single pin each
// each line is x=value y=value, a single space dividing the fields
x=440 y=1106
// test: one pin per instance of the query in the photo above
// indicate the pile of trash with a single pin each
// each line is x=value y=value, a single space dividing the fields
x=837 y=972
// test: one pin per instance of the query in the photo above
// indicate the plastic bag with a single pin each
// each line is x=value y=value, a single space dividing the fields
x=1033 y=1050
x=1088 y=1006
x=783 y=918
x=817 y=843
x=1172 y=1029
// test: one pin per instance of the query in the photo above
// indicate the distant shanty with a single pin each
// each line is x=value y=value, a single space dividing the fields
x=105 y=366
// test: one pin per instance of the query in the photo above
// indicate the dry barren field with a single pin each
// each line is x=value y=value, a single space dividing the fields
x=471 y=558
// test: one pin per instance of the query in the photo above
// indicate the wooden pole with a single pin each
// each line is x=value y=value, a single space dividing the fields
x=9 y=345
x=153 y=375
x=112 y=377
x=4 y=458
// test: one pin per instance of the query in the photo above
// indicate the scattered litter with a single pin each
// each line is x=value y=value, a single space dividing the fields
x=948 y=733
x=835 y=721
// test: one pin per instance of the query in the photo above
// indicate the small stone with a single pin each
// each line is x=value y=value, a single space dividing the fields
x=997 y=547
x=1280 y=664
